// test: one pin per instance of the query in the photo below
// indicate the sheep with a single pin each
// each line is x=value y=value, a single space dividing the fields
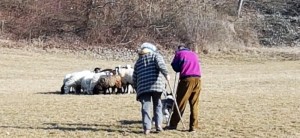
x=89 y=81
x=76 y=87
x=109 y=81
x=74 y=80
x=105 y=73
x=126 y=74
x=67 y=76
x=86 y=82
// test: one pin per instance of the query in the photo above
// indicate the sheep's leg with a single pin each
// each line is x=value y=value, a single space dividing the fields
x=128 y=88
x=78 y=89
x=95 y=90
x=119 y=90
x=114 y=90
x=105 y=90
x=124 y=87
x=133 y=90
x=90 y=88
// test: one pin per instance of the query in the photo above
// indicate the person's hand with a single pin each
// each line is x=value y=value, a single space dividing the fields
x=168 y=78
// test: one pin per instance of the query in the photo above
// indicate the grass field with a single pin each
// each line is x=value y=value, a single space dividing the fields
x=240 y=98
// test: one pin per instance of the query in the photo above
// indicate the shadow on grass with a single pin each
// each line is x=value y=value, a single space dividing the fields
x=124 y=127
x=130 y=122
x=102 y=127
x=56 y=92
x=54 y=128
x=59 y=93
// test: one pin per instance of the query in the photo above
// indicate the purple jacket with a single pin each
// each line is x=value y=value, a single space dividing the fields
x=187 y=63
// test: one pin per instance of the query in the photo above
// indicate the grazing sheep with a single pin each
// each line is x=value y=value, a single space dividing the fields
x=94 y=81
x=62 y=91
x=86 y=82
x=126 y=75
x=75 y=88
x=112 y=81
x=74 y=80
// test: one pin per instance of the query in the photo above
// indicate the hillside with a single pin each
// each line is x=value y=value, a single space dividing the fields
x=209 y=25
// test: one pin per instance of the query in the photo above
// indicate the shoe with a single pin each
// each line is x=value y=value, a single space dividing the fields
x=192 y=130
x=170 y=128
x=159 y=129
x=146 y=132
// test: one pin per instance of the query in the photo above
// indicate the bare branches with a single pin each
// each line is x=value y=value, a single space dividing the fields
x=240 y=5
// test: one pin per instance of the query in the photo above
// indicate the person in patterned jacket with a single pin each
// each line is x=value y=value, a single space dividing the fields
x=149 y=76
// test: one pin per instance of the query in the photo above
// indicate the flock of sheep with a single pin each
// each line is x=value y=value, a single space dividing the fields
x=99 y=81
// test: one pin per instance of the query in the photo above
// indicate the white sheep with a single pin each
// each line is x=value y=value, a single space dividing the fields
x=86 y=82
x=126 y=74
x=67 y=76
x=75 y=87
x=74 y=80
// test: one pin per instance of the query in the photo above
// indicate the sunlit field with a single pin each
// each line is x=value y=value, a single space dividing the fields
x=239 y=98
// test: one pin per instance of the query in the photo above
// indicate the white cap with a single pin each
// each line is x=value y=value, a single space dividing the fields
x=149 y=46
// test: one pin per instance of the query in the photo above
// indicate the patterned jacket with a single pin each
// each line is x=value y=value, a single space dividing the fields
x=149 y=74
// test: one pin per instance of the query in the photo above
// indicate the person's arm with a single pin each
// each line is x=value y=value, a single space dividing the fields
x=176 y=63
x=160 y=63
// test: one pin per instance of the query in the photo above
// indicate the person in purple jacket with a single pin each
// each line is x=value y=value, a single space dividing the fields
x=187 y=63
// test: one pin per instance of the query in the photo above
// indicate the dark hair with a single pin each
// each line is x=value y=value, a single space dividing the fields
x=181 y=46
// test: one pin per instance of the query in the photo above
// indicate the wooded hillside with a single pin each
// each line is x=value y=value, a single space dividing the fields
x=207 y=24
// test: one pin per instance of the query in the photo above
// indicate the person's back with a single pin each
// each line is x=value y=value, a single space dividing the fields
x=148 y=74
x=148 y=81
x=187 y=63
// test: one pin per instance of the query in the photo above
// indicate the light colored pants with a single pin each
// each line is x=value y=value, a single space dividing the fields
x=145 y=100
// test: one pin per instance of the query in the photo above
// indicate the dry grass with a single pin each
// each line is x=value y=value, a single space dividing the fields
x=240 y=98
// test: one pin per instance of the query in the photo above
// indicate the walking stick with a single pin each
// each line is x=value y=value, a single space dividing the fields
x=175 y=102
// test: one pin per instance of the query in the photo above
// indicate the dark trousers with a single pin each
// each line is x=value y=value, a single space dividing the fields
x=188 y=90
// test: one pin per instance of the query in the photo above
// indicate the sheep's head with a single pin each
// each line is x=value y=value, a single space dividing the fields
x=97 y=70
x=121 y=71
x=103 y=82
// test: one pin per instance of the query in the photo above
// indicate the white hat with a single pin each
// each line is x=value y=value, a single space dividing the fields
x=149 y=46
